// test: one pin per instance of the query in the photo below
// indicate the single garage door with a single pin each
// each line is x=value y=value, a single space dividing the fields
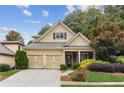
x=53 y=61
x=35 y=61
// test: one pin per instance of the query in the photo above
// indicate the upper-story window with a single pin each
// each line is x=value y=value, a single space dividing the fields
x=59 y=35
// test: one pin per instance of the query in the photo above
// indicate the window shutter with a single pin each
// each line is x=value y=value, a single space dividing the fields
x=53 y=35
x=65 y=36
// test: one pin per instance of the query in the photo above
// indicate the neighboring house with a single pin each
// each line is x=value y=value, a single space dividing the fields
x=8 y=50
x=59 y=45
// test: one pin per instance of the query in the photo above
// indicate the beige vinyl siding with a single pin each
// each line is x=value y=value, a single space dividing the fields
x=59 y=28
x=78 y=41
x=14 y=47
x=7 y=60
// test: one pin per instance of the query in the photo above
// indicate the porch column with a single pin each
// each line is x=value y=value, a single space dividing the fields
x=79 y=56
x=94 y=55
x=63 y=57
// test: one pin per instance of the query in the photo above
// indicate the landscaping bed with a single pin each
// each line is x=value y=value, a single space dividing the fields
x=99 y=77
x=91 y=70
x=4 y=75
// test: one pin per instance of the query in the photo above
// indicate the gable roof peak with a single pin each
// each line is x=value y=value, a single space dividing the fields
x=82 y=36
x=56 y=24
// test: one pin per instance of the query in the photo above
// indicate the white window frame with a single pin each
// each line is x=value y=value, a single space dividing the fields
x=59 y=35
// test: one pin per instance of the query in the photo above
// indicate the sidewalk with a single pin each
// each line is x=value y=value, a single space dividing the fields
x=90 y=83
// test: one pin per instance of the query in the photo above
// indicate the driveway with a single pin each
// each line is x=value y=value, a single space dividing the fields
x=33 y=78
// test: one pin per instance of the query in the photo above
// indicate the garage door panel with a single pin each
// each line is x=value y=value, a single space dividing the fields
x=53 y=61
x=31 y=58
x=35 y=61
x=31 y=64
x=39 y=58
x=49 y=58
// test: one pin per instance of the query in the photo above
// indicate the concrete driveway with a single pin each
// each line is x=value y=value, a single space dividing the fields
x=33 y=78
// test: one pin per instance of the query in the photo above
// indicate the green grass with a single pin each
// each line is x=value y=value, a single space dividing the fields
x=92 y=85
x=8 y=73
x=103 y=77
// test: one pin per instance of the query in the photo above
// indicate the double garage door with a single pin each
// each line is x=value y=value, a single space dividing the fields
x=47 y=61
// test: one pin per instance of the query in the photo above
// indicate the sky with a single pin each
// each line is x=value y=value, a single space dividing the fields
x=28 y=20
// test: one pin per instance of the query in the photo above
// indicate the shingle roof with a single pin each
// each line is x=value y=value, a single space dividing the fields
x=40 y=45
x=45 y=45
x=12 y=42
x=5 y=50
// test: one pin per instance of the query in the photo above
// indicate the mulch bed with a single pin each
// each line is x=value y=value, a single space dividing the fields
x=116 y=74
x=2 y=77
x=66 y=78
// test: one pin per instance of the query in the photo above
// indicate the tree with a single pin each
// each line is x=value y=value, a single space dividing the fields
x=115 y=15
x=29 y=42
x=108 y=40
x=73 y=21
x=21 y=59
x=83 y=22
x=44 y=29
x=14 y=36
x=104 y=46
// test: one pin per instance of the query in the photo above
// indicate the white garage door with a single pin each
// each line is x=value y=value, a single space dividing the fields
x=35 y=61
x=53 y=61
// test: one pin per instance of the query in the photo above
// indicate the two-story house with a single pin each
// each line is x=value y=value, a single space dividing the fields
x=58 y=45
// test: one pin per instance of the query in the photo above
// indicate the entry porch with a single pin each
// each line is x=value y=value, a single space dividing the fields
x=73 y=57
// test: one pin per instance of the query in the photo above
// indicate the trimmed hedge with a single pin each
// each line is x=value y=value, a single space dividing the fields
x=115 y=67
x=76 y=65
x=63 y=67
x=4 y=67
x=101 y=67
x=118 y=67
x=21 y=59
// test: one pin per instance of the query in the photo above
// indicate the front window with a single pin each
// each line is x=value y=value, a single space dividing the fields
x=60 y=35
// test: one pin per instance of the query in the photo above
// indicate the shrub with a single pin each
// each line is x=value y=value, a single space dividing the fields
x=78 y=75
x=113 y=58
x=76 y=65
x=4 y=67
x=85 y=63
x=120 y=59
x=101 y=67
x=118 y=67
x=63 y=67
x=21 y=59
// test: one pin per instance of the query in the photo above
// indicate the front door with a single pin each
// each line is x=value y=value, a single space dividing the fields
x=69 y=60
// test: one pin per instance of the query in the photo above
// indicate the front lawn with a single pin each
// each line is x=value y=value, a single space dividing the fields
x=8 y=73
x=92 y=85
x=103 y=77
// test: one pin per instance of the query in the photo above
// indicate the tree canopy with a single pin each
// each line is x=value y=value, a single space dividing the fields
x=14 y=36
x=83 y=22
x=44 y=29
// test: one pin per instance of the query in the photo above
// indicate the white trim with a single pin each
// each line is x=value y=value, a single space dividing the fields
x=79 y=57
x=53 y=28
x=76 y=37
x=63 y=57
